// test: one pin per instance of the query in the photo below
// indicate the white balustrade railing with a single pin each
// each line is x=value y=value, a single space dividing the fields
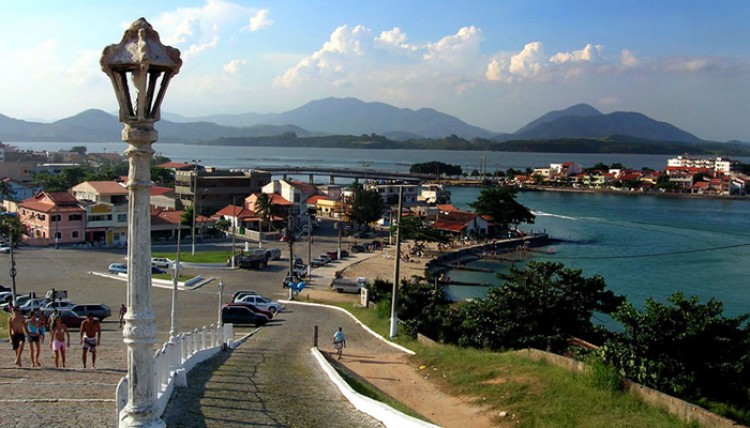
x=176 y=358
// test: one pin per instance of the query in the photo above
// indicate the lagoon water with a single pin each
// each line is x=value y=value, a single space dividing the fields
x=643 y=246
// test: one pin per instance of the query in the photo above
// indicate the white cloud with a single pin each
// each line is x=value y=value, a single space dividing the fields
x=260 y=21
x=234 y=66
x=628 y=59
x=528 y=62
x=197 y=29
x=590 y=53
x=393 y=37
x=356 y=57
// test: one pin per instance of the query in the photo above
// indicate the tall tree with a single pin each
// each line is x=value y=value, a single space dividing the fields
x=500 y=204
x=10 y=226
x=264 y=208
x=6 y=191
x=540 y=307
x=365 y=206
x=685 y=348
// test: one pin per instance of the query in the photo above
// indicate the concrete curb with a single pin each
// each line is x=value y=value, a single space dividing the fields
x=368 y=329
x=389 y=416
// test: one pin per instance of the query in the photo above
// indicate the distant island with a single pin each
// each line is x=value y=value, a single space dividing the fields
x=614 y=145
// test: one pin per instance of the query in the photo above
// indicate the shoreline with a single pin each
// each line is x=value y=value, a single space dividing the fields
x=628 y=193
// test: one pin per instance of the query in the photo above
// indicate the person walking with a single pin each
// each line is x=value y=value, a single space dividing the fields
x=35 y=338
x=17 y=330
x=123 y=311
x=339 y=342
x=91 y=336
x=59 y=344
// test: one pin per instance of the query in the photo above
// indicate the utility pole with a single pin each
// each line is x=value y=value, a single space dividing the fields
x=309 y=243
x=290 y=242
x=195 y=199
x=396 y=274
x=234 y=225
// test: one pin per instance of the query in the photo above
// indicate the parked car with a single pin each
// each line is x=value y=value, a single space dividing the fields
x=326 y=257
x=273 y=253
x=118 y=268
x=69 y=317
x=262 y=302
x=32 y=304
x=241 y=293
x=253 y=308
x=317 y=262
x=4 y=248
x=60 y=304
x=161 y=262
x=242 y=315
x=98 y=310
x=155 y=269
x=358 y=248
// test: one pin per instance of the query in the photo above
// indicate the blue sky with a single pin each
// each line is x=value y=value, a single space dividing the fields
x=494 y=64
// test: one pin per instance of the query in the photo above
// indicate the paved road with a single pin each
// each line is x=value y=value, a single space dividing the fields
x=270 y=380
x=75 y=397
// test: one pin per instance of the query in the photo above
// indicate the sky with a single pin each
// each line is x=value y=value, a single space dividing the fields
x=494 y=64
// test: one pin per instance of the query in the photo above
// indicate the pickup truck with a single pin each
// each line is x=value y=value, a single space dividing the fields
x=348 y=285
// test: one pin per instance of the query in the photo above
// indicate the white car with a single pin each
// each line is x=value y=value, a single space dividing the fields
x=161 y=262
x=4 y=248
x=261 y=302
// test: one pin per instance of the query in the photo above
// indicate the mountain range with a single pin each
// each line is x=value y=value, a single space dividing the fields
x=350 y=116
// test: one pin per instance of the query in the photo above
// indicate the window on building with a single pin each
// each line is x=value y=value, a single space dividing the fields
x=75 y=234
x=122 y=218
x=55 y=218
x=58 y=235
x=75 y=217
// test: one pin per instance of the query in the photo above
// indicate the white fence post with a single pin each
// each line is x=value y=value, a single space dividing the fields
x=203 y=338
x=195 y=342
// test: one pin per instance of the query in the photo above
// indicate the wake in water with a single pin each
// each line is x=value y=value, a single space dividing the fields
x=544 y=214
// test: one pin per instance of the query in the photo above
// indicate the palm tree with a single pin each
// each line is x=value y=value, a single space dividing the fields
x=263 y=207
x=6 y=192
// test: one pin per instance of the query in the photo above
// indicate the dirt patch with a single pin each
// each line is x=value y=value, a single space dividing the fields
x=398 y=374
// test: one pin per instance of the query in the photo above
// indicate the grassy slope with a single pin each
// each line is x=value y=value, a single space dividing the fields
x=534 y=394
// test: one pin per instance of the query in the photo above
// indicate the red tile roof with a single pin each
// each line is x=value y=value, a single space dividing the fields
x=108 y=187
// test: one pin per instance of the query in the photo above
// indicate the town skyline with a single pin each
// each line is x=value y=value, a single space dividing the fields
x=493 y=66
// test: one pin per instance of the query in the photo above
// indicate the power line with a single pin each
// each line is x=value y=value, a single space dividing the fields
x=636 y=256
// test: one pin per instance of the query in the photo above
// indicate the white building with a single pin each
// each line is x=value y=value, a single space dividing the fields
x=720 y=165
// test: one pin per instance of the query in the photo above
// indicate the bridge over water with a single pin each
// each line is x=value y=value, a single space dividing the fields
x=356 y=174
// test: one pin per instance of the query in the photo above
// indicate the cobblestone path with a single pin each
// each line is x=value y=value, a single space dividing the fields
x=271 y=380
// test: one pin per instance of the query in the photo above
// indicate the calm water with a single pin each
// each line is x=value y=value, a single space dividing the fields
x=642 y=246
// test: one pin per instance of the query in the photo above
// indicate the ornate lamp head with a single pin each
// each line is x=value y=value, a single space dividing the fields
x=142 y=59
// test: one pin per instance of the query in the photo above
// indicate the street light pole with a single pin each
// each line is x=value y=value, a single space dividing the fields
x=57 y=226
x=396 y=274
x=234 y=225
x=142 y=60
x=175 y=280
x=195 y=199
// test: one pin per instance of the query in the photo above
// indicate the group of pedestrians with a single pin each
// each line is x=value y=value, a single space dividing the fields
x=34 y=328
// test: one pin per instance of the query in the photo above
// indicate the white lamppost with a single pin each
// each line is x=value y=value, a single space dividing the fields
x=140 y=60
x=195 y=199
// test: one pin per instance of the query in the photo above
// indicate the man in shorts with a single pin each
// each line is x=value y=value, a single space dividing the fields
x=17 y=330
x=58 y=343
x=339 y=342
x=91 y=336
